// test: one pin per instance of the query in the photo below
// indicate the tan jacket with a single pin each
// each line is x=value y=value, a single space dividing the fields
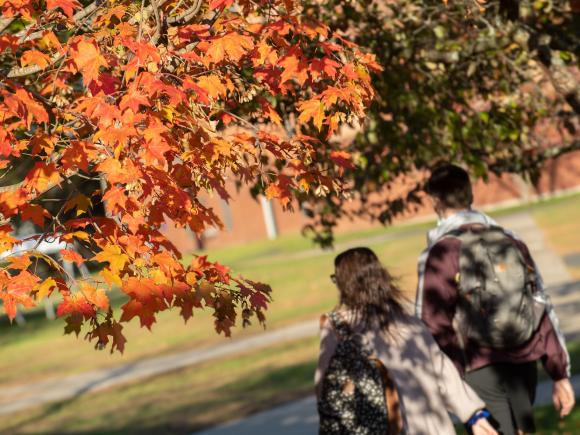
x=427 y=381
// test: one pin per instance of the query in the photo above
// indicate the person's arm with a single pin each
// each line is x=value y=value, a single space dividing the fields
x=556 y=360
x=328 y=342
x=437 y=294
x=458 y=397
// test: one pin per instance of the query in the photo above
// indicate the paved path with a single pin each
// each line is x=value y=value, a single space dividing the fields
x=12 y=399
x=300 y=417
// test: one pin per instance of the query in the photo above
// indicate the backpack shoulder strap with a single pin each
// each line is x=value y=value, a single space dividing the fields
x=339 y=325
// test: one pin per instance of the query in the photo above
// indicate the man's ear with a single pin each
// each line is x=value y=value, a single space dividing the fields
x=438 y=206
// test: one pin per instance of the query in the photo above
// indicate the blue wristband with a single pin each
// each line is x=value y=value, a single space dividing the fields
x=484 y=413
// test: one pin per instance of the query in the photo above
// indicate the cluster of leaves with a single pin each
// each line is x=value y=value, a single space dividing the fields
x=475 y=82
x=159 y=103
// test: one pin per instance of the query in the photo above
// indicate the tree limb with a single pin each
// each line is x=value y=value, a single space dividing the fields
x=33 y=69
x=25 y=36
x=186 y=15
x=5 y=22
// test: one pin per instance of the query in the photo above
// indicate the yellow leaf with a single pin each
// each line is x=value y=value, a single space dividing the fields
x=80 y=202
x=111 y=278
x=113 y=255
x=191 y=278
x=273 y=191
x=45 y=289
x=167 y=113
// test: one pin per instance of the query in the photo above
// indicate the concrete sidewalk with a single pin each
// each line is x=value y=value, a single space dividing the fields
x=301 y=418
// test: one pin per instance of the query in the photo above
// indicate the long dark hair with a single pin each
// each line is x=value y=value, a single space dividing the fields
x=366 y=288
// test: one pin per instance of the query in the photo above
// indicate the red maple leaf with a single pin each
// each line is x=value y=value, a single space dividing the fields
x=68 y=6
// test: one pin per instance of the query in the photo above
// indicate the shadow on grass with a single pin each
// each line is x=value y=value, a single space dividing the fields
x=255 y=393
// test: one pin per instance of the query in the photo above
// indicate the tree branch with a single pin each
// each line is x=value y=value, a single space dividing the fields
x=25 y=36
x=5 y=22
x=33 y=69
x=186 y=15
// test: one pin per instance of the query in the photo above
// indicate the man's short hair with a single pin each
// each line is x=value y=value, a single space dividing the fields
x=451 y=185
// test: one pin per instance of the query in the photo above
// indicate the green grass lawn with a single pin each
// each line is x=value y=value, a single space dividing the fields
x=182 y=401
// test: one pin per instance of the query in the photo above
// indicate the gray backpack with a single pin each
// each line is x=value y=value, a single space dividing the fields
x=496 y=306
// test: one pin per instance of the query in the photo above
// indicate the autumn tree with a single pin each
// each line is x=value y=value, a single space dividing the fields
x=475 y=82
x=156 y=103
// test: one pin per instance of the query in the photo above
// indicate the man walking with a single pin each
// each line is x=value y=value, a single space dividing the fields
x=482 y=297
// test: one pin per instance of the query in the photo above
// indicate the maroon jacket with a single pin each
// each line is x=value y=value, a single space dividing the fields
x=437 y=297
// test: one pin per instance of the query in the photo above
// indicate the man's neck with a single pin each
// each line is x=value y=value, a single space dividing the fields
x=448 y=212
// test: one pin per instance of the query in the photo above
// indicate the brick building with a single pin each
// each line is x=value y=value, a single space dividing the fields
x=246 y=219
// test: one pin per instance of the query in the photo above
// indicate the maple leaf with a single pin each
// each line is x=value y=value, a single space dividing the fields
x=96 y=297
x=212 y=85
x=325 y=65
x=134 y=308
x=231 y=45
x=41 y=177
x=88 y=59
x=293 y=67
x=113 y=255
x=115 y=199
x=269 y=111
x=74 y=323
x=80 y=202
x=119 y=172
x=76 y=303
x=18 y=291
x=312 y=109
x=119 y=339
x=259 y=300
x=71 y=256
x=31 y=108
x=68 y=6
x=35 y=213
x=44 y=289
x=220 y=4
x=34 y=57
x=342 y=158
x=273 y=191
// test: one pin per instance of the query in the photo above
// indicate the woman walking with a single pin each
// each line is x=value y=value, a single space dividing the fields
x=369 y=344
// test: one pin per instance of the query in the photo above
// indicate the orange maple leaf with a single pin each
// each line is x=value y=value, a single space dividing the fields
x=232 y=45
x=42 y=177
x=312 y=109
x=212 y=85
x=68 y=6
x=34 y=57
x=293 y=67
x=88 y=59
x=71 y=256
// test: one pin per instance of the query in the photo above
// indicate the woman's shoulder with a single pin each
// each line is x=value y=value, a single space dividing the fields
x=408 y=321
